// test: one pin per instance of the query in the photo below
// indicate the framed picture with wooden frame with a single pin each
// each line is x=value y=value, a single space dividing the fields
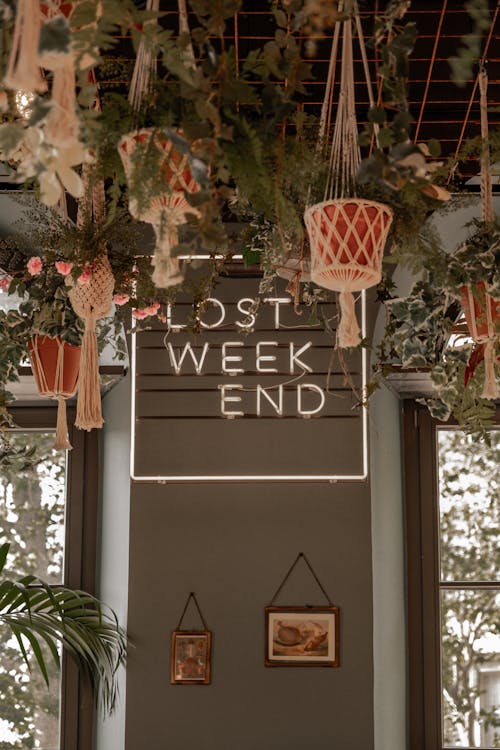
x=190 y=661
x=302 y=636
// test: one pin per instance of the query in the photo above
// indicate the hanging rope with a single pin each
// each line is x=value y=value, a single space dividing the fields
x=145 y=65
x=486 y=189
x=91 y=301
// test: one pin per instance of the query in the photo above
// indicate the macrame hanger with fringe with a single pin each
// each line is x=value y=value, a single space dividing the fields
x=345 y=154
x=62 y=439
x=165 y=215
x=491 y=389
x=91 y=302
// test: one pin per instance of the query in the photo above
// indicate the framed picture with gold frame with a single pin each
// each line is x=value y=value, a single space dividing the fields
x=302 y=636
x=190 y=661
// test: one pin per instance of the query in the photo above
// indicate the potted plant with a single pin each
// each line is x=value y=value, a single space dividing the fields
x=42 y=319
x=53 y=616
x=420 y=327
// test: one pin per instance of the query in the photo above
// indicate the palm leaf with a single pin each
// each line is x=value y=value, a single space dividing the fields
x=56 y=615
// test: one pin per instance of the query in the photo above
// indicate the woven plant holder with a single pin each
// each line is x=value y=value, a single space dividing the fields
x=347 y=239
x=91 y=302
x=165 y=210
x=347 y=234
x=482 y=311
x=55 y=365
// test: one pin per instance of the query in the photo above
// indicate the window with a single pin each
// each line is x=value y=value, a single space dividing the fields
x=453 y=561
x=49 y=515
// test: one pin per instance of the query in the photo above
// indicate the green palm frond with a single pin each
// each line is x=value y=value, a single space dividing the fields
x=39 y=614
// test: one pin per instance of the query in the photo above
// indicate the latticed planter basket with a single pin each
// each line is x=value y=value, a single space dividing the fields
x=175 y=171
x=347 y=239
x=56 y=365
x=482 y=313
x=165 y=208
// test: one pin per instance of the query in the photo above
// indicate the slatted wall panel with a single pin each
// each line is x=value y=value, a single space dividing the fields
x=299 y=422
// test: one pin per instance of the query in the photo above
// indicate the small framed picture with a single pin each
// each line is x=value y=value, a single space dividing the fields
x=302 y=636
x=190 y=657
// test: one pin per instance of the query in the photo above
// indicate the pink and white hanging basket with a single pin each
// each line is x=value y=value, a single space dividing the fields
x=164 y=203
x=173 y=166
x=347 y=238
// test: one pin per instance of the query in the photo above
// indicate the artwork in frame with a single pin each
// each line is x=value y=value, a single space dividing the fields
x=302 y=636
x=190 y=662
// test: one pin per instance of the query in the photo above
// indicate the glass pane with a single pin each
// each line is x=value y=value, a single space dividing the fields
x=471 y=668
x=32 y=497
x=469 y=504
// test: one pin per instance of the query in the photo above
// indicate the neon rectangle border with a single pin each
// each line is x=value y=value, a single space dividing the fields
x=330 y=478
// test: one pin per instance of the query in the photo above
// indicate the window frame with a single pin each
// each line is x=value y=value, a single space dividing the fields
x=80 y=556
x=421 y=529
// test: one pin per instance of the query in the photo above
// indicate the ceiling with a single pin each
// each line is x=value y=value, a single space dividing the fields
x=441 y=110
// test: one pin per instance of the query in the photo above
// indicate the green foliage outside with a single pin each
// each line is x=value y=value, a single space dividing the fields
x=32 y=519
x=470 y=543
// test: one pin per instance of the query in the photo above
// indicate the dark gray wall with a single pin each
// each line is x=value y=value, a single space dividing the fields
x=232 y=544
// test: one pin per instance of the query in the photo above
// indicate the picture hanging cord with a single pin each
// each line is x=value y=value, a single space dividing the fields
x=300 y=556
x=192 y=596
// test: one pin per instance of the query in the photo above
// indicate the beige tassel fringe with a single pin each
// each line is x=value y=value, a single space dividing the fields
x=88 y=407
x=62 y=440
x=348 y=333
x=23 y=69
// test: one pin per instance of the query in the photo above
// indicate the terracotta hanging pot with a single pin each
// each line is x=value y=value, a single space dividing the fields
x=347 y=238
x=482 y=314
x=55 y=365
x=164 y=209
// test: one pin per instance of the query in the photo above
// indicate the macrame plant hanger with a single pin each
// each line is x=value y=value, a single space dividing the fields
x=62 y=387
x=481 y=310
x=91 y=301
x=165 y=209
x=347 y=234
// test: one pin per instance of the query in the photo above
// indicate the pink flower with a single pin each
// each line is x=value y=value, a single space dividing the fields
x=140 y=314
x=5 y=284
x=84 y=278
x=34 y=266
x=152 y=309
x=63 y=267
x=162 y=318
x=121 y=299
